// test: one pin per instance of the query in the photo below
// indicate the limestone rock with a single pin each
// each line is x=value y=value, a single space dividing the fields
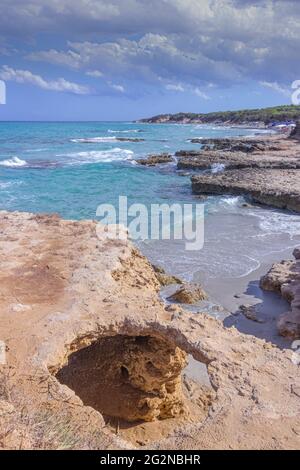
x=284 y=278
x=165 y=279
x=278 y=188
x=131 y=378
x=188 y=294
x=153 y=160
x=249 y=311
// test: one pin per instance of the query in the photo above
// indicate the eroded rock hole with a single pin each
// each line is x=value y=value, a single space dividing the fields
x=134 y=380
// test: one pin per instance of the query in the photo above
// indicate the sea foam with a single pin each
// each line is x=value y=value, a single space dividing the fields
x=98 y=156
x=217 y=167
x=94 y=140
x=13 y=162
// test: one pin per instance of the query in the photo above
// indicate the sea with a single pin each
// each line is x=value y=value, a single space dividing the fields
x=70 y=168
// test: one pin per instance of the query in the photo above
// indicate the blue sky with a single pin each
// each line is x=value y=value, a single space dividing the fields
x=127 y=59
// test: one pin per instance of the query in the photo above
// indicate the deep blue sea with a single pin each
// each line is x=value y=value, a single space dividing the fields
x=71 y=168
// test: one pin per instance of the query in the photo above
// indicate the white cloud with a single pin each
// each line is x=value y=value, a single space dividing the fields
x=201 y=94
x=25 y=76
x=178 y=87
x=94 y=73
x=67 y=58
x=189 y=41
x=116 y=87
x=175 y=87
x=276 y=87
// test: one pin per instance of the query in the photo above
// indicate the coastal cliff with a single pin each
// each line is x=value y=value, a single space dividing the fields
x=243 y=118
x=74 y=305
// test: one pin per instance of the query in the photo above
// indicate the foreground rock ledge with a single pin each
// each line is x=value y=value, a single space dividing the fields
x=62 y=290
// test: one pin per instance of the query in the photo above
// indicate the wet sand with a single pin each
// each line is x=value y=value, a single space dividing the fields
x=232 y=293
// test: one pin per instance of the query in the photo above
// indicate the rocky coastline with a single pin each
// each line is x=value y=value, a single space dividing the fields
x=265 y=170
x=99 y=316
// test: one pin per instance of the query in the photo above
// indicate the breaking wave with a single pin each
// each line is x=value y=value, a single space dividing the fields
x=13 y=162
x=98 y=156
x=94 y=140
x=217 y=167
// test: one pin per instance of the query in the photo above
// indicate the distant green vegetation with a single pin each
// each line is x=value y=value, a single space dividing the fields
x=264 y=115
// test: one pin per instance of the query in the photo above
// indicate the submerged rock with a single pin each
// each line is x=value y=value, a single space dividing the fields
x=129 y=139
x=153 y=160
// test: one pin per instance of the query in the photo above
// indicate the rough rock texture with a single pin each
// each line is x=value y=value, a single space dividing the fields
x=284 y=277
x=188 y=294
x=236 y=144
x=132 y=378
x=62 y=290
x=153 y=160
x=278 y=188
x=165 y=279
x=206 y=159
x=241 y=153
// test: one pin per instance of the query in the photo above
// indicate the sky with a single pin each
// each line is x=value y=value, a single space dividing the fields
x=128 y=59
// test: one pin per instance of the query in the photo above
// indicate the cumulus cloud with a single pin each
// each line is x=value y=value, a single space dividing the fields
x=25 y=76
x=184 y=41
x=152 y=57
x=116 y=87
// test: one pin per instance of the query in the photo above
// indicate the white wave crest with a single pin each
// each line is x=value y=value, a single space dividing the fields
x=98 y=156
x=94 y=140
x=128 y=131
x=13 y=162
x=217 y=167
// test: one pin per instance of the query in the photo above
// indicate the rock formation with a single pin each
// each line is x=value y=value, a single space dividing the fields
x=165 y=279
x=153 y=160
x=271 y=152
x=278 y=188
x=188 y=294
x=206 y=159
x=284 y=278
x=132 y=378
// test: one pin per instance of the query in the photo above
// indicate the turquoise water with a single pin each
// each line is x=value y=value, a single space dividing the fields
x=71 y=168
x=49 y=167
